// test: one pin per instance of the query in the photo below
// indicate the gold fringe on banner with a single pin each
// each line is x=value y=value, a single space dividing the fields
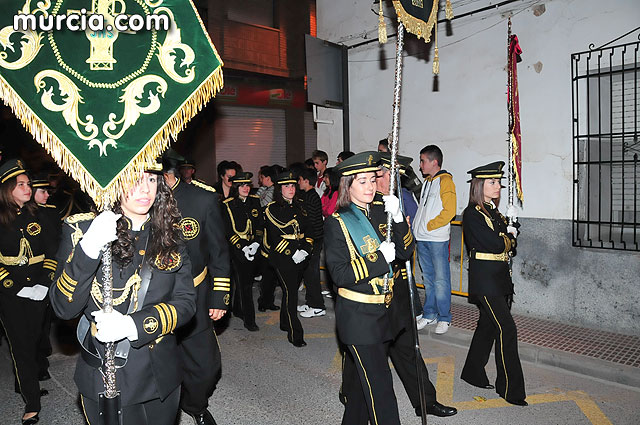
x=448 y=10
x=382 y=26
x=132 y=171
x=416 y=26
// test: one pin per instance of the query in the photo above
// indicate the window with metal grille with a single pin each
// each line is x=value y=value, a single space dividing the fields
x=606 y=198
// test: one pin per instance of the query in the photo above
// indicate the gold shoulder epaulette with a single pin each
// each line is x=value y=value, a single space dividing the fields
x=203 y=186
x=254 y=196
x=47 y=206
x=226 y=201
x=378 y=203
x=77 y=218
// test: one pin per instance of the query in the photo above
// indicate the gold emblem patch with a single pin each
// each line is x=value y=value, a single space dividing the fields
x=8 y=283
x=226 y=299
x=254 y=212
x=190 y=228
x=372 y=256
x=168 y=264
x=33 y=229
x=150 y=325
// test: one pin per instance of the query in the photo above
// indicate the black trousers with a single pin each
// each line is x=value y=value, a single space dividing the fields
x=403 y=356
x=243 y=274
x=495 y=326
x=314 y=298
x=368 y=368
x=23 y=321
x=268 y=283
x=202 y=369
x=44 y=347
x=289 y=322
x=152 y=412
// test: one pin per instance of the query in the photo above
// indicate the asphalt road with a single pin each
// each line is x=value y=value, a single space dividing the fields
x=268 y=381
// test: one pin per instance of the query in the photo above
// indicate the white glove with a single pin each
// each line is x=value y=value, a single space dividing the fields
x=388 y=249
x=247 y=253
x=26 y=292
x=512 y=212
x=392 y=205
x=513 y=231
x=114 y=326
x=39 y=292
x=253 y=248
x=299 y=256
x=101 y=232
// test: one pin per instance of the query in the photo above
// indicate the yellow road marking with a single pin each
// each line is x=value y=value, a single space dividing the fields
x=273 y=317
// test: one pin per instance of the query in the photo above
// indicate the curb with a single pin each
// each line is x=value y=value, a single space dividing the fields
x=576 y=363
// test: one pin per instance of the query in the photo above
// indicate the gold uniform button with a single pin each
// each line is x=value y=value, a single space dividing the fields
x=141 y=252
x=28 y=279
x=151 y=346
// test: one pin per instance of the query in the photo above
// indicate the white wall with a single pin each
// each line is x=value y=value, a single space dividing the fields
x=467 y=118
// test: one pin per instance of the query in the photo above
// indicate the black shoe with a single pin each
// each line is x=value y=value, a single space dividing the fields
x=204 y=418
x=44 y=376
x=43 y=392
x=32 y=420
x=518 y=402
x=299 y=344
x=271 y=307
x=252 y=327
x=486 y=386
x=437 y=409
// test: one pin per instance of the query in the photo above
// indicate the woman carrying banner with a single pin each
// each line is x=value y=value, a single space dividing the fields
x=286 y=225
x=490 y=245
x=25 y=265
x=358 y=259
x=153 y=294
x=244 y=225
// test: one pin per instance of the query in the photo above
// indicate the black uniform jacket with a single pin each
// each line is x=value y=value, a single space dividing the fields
x=203 y=230
x=486 y=236
x=39 y=255
x=153 y=367
x=363 y=323
x=287 y=229
x=51 y=217
x=244 y=224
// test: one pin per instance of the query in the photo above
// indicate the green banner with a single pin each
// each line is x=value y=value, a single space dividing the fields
x=104 y=99
x=418 y=16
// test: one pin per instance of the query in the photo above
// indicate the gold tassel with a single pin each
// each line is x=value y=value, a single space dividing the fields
x=449 y=10
x=436 y=58
x=382 y=26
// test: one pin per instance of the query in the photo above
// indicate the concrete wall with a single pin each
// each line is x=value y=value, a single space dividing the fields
x=467 y=118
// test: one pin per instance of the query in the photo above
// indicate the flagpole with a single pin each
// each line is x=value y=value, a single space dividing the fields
x=392 y=187
x=510 y=114
x=110 y=404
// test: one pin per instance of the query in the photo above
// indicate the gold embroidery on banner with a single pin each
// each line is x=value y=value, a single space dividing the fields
x=30 y=43
x=417 y=3
x=167 y=52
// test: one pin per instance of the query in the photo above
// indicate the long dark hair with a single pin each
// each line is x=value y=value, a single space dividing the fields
x=279 y=199
x=334 y=181
x=165 y=233
x=476 y=195
x=344 y=197
x=8 y=207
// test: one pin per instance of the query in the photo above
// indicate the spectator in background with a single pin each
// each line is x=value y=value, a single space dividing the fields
x=226 y=170
x=320 y=160
x=383 y=145
x=309 y=164
x=314 y=302
x=432 y=229
x=266 y=175
x=330 y=195
x=296 y=168
x=343 y=155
